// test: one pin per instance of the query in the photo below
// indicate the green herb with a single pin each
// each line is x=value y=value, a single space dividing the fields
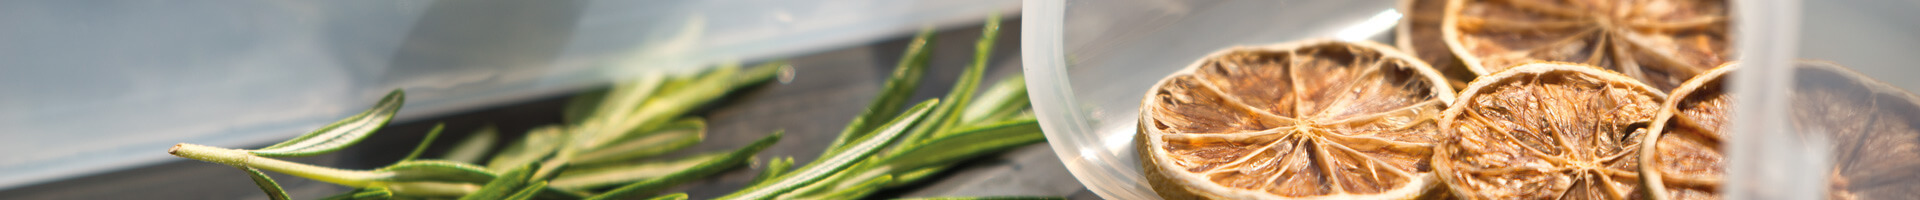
x=540 y=142
x=775 y=168
x=433 y=170
x=506 y=184
x=906 y=76
x=340 y=134
x=621 y=173
x=855 y=191
x=532 y=190
x=363 y=193
x=830 y=165
x=950 y=132
x=372 y=193
x=703 y=169
x=968 y=142
x=949 y=114
x=609 y=146
x=266 y=184
x=987 y=198
x=675 y=196
x=475 y=147
x=524 y=167
x=1004 y=100
x=678 y=135
x=424 y=142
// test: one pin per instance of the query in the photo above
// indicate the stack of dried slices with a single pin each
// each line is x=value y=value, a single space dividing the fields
x=1505 y=99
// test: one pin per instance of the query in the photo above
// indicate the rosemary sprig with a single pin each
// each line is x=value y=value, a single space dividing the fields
x=951 y=132
x=906 y=76
x=828 y=166
x=525 y=168
x=611 y=138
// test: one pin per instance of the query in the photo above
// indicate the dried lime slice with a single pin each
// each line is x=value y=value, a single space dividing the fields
x=1419 y=34
x=1306 y=120
x=1546 y=131
x=1875 y=129
x=1660 y=42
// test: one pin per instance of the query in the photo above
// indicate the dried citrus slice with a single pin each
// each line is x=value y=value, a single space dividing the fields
x=1683 y=159
x=1419 y=35
x=1545 y=131
x=1660 y=42
x=1314 y=119
x=1875 y=129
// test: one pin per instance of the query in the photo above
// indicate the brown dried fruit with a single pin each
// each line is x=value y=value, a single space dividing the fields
x=1304 y=120
x=1545 y=131
x=1419 y=34
x=1685 y=150
x=1875 y=129
x=1659 y=42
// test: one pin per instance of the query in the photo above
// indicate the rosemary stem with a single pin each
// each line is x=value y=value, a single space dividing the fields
x=440 y=189
x=240 y=158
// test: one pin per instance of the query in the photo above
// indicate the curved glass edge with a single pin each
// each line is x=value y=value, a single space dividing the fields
x=1768 y=162
x=1105 y=173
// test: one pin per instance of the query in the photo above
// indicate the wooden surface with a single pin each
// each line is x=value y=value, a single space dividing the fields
x=828 y=88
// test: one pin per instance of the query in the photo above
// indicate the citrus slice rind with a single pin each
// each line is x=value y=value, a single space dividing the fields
x=1874 y=129
x=1683 y=158
x=1660 y=42
x=1419 y=35
x=1545 y=131
x=1316 y=119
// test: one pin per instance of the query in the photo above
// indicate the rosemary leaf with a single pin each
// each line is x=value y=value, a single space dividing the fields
x=363 y=193
x=540 y=142
x=424 y=142
x=858 y=190
x=968 y=143
x=988 y=198
x=775 y=168
x=532 y=190
x=432 y=189
x=618 y=102
x=673 y=101
x=842 y=180
x=827 y=166
x=674 y=196
x=701 y=170
x=436 y=171
x=1002 y=100
x=266 y=183
x=678 y=135
x=963 y=91
x=373 y=193
x=475 y=146
x=583 y=106
x=894 y=94
x=910 y=176
x=503 y=185
x=615 y=174
x=340 y=134
x=948 y=114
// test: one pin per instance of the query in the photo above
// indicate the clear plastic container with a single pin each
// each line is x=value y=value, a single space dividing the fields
x=92 y=86
x=1088 y=62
